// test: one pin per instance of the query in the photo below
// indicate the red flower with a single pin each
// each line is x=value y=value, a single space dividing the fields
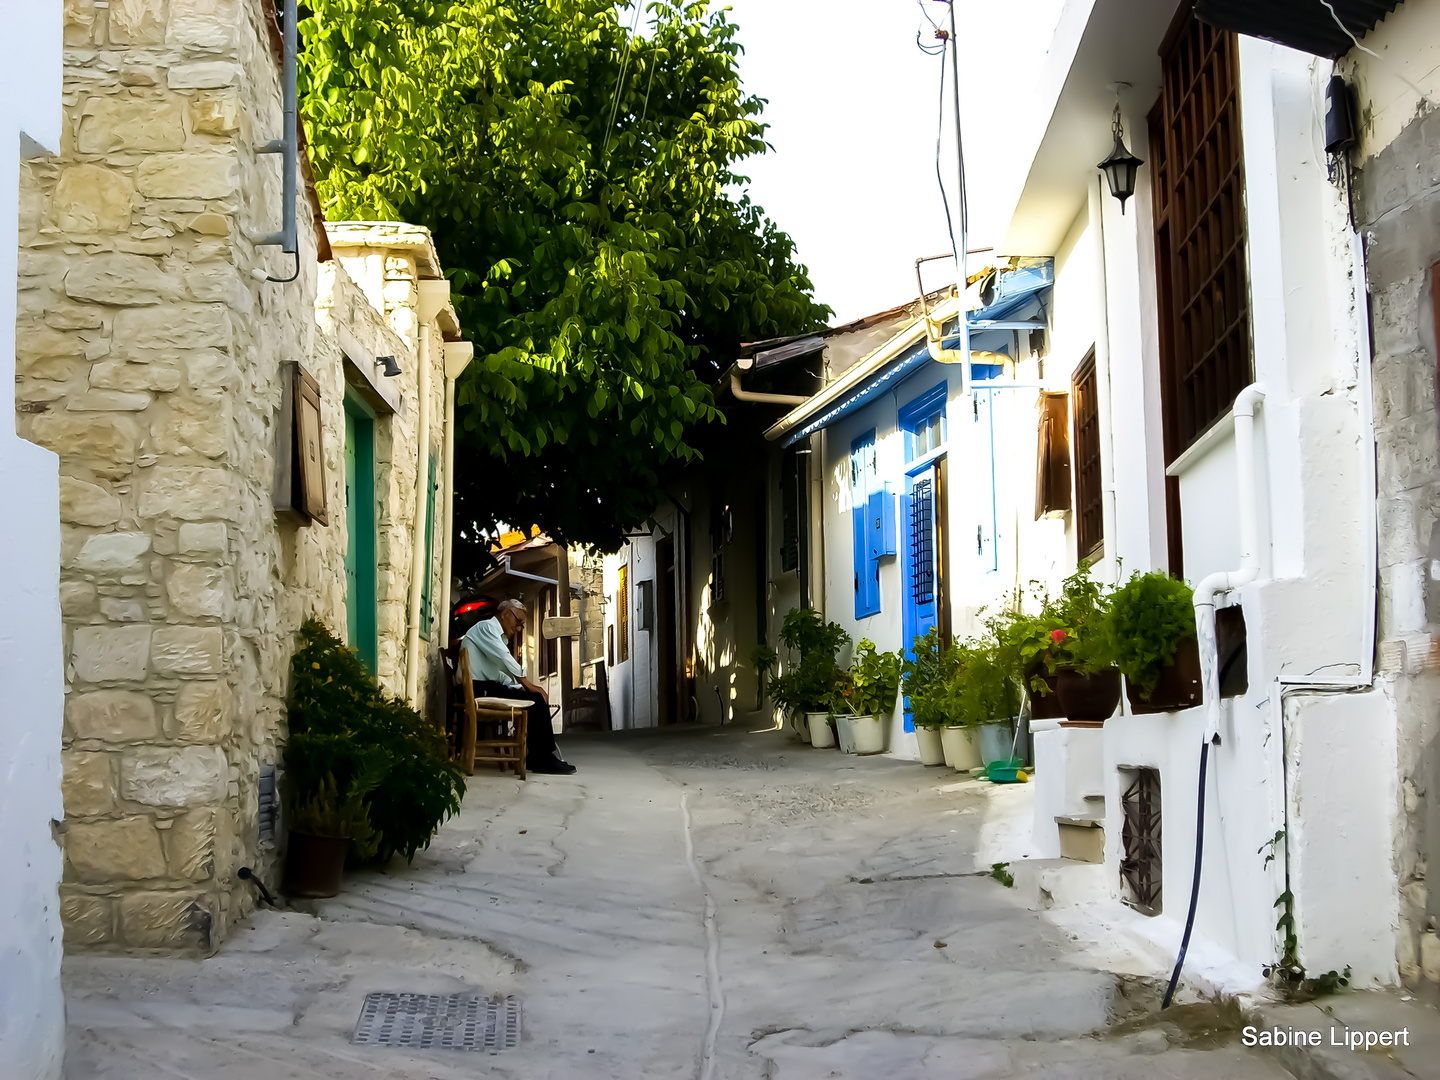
x=1057 y=636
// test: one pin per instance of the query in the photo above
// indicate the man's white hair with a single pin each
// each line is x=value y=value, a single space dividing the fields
x=511 y=605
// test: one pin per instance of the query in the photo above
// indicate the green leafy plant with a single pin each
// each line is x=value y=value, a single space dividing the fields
x=870 y=686
x=812 y=684
x=978 y=688
x=1000 y=871
x=1028 y=645
x=346 y=734
x=924 y=675
x=763 y=659
x=1147 y=619
x=1080 y=641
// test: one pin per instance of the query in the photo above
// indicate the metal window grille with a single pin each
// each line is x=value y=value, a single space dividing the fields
x=1140 y=836
x=1089 y=498
x=1202 y=287
x=922 y=541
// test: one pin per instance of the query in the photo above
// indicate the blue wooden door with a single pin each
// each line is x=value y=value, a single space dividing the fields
x=863 y=529
x=920 y=551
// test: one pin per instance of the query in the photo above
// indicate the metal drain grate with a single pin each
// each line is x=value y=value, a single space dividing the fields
x=439 y=1021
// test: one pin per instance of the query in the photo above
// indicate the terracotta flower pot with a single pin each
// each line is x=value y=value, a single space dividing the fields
x=1179 y=685
x=315 y=865
x=1045 y=706
x=1088 y=700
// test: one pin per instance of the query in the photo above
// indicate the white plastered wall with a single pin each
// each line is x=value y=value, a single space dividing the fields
x=32 y=1011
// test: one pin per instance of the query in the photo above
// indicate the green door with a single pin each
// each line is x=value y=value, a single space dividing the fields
x=360 y=530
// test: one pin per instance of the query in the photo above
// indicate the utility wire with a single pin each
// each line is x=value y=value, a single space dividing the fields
x=939 y=176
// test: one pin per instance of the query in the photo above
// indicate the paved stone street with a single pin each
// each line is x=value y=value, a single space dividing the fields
x=853 y=935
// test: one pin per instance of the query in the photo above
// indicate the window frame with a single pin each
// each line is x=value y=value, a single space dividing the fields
x=1086 y=447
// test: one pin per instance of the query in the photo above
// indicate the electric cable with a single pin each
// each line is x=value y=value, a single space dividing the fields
x=1195 y=882
x=939 y=175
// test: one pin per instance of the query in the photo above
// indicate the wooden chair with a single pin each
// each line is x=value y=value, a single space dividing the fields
x=491 y=729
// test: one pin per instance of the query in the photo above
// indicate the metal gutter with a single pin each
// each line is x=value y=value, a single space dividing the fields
x=856 y=379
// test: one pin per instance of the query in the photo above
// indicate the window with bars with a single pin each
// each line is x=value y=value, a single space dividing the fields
x=1201 y=285
x=1089 y=498
x=1140 y=863
x=922 y=541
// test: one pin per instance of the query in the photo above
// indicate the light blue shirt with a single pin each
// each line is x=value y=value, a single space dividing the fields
x=490 y=659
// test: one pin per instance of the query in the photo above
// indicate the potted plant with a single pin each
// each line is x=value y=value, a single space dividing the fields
x=325 y=826
x=1150 y=627
x=982 y=695
x=868 y=691
x=1087 y=680
x=809 y=688
x=363 y=770
x=1025 y=646
x=923 y=677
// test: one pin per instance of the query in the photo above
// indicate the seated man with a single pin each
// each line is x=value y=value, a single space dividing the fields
x=498 y=674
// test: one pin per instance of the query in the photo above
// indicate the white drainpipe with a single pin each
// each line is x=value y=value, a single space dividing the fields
x=434 y=295
x=1226 y=580
x=458 y=355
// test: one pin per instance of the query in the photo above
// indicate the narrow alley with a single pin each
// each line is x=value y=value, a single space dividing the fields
x=856 y=932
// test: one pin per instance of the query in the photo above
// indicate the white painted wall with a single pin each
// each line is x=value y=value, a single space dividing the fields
x=32 y=1011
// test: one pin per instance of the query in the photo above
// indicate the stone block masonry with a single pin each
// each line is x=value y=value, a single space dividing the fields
x=150 y=359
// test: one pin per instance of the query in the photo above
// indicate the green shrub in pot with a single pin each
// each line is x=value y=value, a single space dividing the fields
x=979 y=688
x=812 y=683
x=1078 y=620
x=1148 y=619
x=345 y=731
x=324 y=811
x=870 y=686
x=924 y=678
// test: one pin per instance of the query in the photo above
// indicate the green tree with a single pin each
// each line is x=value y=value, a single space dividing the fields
x=580 y=182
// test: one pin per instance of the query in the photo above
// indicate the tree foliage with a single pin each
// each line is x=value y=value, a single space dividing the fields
x=580 y=183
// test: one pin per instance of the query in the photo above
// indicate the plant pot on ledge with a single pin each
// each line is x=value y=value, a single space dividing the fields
x=1045 y=706
x=315 y=865
x=1179 y=685
x=1088 y=700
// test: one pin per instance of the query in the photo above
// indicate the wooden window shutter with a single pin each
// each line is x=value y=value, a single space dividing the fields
x=299 y=448
x=1052 y=463
x=1202 y=287
x=1089 y=497
x=310 y=445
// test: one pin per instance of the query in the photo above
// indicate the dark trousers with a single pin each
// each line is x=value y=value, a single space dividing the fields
x=539 y=735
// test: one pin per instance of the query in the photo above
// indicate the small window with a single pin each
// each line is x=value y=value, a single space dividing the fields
x=791 y=475
x=1089 y=499
x=610 y=645
x=1052 y=457
x=923 y=421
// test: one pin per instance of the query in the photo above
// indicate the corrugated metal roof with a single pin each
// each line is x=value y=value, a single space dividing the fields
x=1307 y=25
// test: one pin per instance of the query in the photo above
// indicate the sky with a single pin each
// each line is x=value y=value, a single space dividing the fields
x=853 y=118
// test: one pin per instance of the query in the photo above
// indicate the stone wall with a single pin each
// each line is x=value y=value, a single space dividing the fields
x=1397 y=207
x=149 y=358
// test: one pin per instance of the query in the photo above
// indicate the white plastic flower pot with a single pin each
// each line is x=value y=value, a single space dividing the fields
x=821 y=737
x=868 y=734
x=801 y=727
x=932 y=747
x=961 y=753
x=844 y=734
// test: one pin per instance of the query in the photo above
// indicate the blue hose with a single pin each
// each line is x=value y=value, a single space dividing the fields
x=1194 y=885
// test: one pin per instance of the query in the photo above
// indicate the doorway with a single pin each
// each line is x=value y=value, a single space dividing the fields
x=360 y=531
x=666 y=628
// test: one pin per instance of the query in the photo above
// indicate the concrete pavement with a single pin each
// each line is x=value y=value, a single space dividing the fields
x=694 y=903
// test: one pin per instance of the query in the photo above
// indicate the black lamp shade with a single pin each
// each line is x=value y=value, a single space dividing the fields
x=1120 y=169
x=388 y=367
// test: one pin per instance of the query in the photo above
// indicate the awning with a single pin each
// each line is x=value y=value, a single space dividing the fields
x=1018 y=303
x=1307 y=25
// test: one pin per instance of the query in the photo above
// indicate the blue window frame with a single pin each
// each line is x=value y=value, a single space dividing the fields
x=923 y=422
x=863 y=484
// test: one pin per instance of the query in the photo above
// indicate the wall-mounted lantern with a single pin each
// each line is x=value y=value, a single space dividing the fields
x=1121 y=166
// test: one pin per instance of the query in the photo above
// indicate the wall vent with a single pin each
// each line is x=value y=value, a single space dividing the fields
x=267 y=815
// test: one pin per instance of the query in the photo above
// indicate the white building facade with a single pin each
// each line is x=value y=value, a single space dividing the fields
x=32 y=1011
